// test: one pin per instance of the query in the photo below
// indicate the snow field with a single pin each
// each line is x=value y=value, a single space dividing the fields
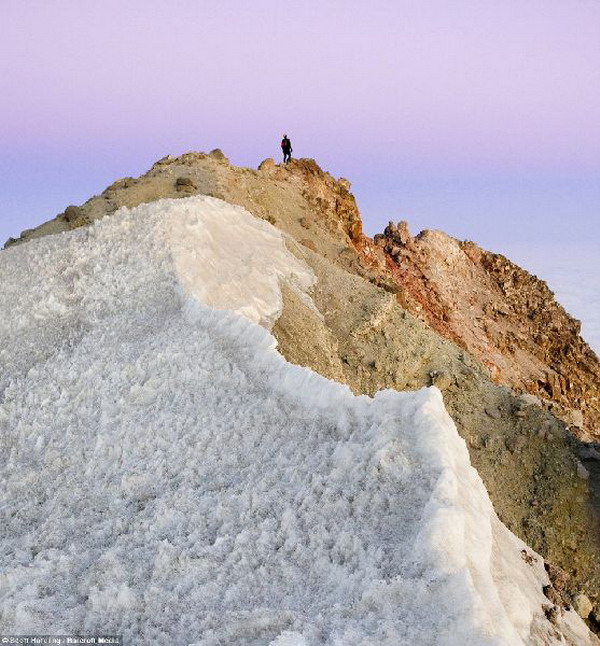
x=169 y=477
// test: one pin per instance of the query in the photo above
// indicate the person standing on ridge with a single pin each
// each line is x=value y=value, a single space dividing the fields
x=286 y=147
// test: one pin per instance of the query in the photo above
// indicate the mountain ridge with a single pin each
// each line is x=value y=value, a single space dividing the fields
x=387 y=318
x=429 y=272
x=170 y=477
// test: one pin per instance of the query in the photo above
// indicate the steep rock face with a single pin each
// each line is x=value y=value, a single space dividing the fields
x=504 y=316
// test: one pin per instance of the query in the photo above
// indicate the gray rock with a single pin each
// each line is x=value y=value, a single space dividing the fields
x=494 y=413
x=582 y=472
x=529 y=400
x=588 y=453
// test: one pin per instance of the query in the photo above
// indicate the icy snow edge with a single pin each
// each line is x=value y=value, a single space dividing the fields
x=169 y=477
x=228 y=259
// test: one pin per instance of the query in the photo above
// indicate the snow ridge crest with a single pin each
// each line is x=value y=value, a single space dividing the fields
x=170 y=477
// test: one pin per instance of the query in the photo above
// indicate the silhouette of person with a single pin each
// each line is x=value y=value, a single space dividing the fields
x=286 y=147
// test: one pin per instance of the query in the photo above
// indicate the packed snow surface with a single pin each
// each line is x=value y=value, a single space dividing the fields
x=167 y=476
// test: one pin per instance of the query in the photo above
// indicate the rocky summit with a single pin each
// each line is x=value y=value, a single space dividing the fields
x=402 y=311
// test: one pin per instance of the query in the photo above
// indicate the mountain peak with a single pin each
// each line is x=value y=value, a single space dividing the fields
x=403 y=312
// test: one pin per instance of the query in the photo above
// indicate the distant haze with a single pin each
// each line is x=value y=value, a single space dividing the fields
x=478 y=118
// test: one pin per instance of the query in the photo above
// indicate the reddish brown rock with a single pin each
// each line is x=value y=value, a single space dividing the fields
x=501 y=314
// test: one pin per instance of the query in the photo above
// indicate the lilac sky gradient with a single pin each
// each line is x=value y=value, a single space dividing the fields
x=479 y=117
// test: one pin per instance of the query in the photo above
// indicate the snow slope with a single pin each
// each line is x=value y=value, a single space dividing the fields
x=169 y=477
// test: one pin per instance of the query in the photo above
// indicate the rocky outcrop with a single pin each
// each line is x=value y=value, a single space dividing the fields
x=406 y=312
x=296 y=196
x=502 y=315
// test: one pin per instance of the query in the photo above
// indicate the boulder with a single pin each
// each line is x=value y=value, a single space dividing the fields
x=217 y=154
x=403 y=232
x=185 y=185
x=582 y=472
x=440 y=379
x=75 y=217
x=582 y=605
x=529 y=400
x=494 y=413
x=72 y=213
x=574 y=417
x=267 y=164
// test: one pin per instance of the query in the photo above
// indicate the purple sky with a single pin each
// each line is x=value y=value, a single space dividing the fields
x=479 y=117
